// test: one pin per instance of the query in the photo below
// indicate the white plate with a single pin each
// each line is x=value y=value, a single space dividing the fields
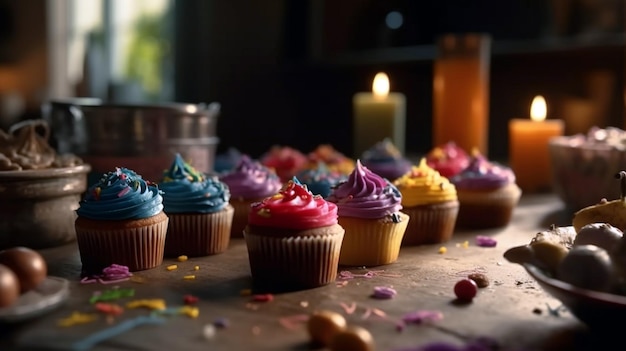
x=52 y=292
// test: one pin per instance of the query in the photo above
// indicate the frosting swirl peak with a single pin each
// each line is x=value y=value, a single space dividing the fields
x=251 y=180
x=483 y=174
x=423 y=185
x=120 y=195
x=366 y=195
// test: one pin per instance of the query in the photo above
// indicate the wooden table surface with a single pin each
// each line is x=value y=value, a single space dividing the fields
x=513 y=311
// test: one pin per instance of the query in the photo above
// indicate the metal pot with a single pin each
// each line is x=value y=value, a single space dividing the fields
x=140 y=137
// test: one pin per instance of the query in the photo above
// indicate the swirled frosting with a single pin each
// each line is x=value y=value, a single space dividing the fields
x=251 y=180
x=120 y=195
x=293 y=207
x=185 y=190
x=334 y=159
x=481 y=174
x=366 y=195
x=321 y=180
x=227 y=161
x=423 y=185
x=284 y=160
x=448 y=159
x=385 y=159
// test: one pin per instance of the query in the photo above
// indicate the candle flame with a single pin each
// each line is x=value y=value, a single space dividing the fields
x=538 y=109
x=380 y=87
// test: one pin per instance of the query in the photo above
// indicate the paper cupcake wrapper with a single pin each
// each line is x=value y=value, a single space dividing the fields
x=303 y=262
x=137 y=248
x=498 y=204
x=198 y=234
x=371 y=242
x=240 y=218
x=430 y=224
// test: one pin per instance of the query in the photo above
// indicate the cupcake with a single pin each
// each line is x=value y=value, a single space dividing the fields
x=248 y=183
x=320 y=180
x=431 y=202
x=334 y=160
x=284 y=160
x=485 y=187
x=385 y=159
x=369 y=210
x=448 y=159
x=293 y=239
x=200 y=216
x=121 y=221
x=227 y=161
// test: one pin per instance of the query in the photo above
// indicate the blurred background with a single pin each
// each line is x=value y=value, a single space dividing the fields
x=285 y=71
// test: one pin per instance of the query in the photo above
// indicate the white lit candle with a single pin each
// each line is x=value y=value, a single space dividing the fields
x=378 y=115
x=528 y=147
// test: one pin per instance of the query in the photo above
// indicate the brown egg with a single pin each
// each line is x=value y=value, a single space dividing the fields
x=9 y=286
x=29 y=266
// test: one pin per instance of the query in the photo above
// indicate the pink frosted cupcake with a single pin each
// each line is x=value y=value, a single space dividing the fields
x=199 y=212
x=284 y=160
x=293 y=239
x=248 y=183
x=485 y=187
x=386 y=160
x=369 y=210
x=334 y=160
x=448 y=159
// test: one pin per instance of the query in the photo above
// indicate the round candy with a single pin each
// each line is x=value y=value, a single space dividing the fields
x=465 y=289
x=587 y=267
x=353 y=338
x=29 y=266
x=324 y=325
x=9 y=286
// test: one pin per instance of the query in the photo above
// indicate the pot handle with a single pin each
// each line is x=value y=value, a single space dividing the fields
x=34 y=123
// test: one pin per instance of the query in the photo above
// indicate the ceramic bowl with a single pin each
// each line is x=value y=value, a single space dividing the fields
x=598 y=310
x=584 y=166
x=38 y=207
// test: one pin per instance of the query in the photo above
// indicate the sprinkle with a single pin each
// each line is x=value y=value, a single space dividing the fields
x=77 y=318
x=245 y=292
x=221 y=323
x=263 y=298
x=304 y=304
x=264 y=212
x=115 y=273
x=190 y=300
x=349 y=309
x=153 y=304
x=93 y=339
x=172 y=267
x=123 y=191
x=189 y=277
x=190 y=311
x=109 y=308
x=395 y=218
x=208 y=331
x=422 y=316
x=442 y=250
x=112 y=294
x=464 y=244
x=384 y=292
x=485 y=241
x=196 y=268
x=182 y=258
x=293 y=322
x=256 y=330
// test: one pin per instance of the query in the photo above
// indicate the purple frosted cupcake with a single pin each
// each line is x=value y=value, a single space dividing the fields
x=321 y=180
x=249 y=182
x=369 y=210
x=386 y=160
x=485 y=187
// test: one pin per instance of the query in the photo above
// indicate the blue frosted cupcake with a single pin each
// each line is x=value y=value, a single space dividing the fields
x=321 y=180
x=199 y=211
x=121 y=220
x=385 y=159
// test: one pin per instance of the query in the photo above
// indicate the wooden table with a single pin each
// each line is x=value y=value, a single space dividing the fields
x=512 y=311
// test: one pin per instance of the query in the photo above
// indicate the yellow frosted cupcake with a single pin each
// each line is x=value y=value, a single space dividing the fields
x=431 y=202
x=369 y=211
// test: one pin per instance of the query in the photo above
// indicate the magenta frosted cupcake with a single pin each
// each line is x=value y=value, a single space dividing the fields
x=369 y=211
x=284 y=160
x=448 y=159
x=198 y=209
x=321 y=180
x=485 y=187
x=385 y=159
x=248 y=183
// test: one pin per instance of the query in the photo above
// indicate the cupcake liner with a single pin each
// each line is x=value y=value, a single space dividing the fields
x=296 y=261
x=371 y=242
x=240 y=218
x=198 y=234
x=431 y=224
x=499 y=204
x=137 y=247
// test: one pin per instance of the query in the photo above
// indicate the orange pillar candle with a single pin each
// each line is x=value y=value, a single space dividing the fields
x=377 y=116
x=528 y=147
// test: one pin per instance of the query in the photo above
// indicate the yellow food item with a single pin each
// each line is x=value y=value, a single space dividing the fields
x=612 y=212
x=353 y=338
x=324 y=325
